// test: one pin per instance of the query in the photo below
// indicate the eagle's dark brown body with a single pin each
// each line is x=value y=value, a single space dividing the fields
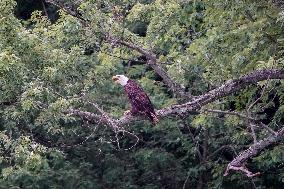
x=140 y=102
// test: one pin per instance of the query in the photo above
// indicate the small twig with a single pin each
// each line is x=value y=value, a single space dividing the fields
x=251 y=119
x=250 y=106
x=252 y=132
x=271 y=100
x=243 y=169
x=85 y=115
x=184 y=184
x=261 y=95
x=266 y=127
x=192 y=138
x=220 y=149
x=117 y=140
x=230 y=113
x=109 y=120
x=82 y=142
x=44 y=8
x=132 y=134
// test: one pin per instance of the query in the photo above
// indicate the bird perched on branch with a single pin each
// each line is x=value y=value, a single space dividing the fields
x=139 y=100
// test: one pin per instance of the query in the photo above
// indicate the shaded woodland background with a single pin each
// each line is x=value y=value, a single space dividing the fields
x=52 y=61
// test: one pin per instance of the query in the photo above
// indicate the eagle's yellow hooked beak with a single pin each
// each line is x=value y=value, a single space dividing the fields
x=115 y=79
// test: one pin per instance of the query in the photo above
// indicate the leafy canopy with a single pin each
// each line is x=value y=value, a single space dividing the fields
x=46 y=66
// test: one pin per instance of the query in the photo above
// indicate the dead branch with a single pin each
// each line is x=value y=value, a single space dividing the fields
x=253 y=121
x=91 y=117
x=238 y=163
x=230 y=113
x=224 y=90
x=111 y=122
x=248 y=112
x=152 y=62
x=266 y=127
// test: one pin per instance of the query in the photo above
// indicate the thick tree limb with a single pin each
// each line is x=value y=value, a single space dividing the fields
x=238 y=163
x=93 y=118
x=138 y=48
x=152 y=62
x=105 y=116
x=224 y=90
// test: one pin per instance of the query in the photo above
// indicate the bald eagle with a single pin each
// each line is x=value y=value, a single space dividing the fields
x=139 y=100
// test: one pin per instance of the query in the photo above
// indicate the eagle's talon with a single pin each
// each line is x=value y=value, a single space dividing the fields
x=139 y=100
x=126 y=113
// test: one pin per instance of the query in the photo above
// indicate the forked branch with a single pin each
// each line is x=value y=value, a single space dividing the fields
x=224 y=90
x=238 y=163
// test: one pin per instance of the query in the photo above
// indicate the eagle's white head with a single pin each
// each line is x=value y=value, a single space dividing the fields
x=121 y=79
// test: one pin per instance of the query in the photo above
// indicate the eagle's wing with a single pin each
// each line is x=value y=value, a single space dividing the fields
x=140 y=101
x=138 y=98
x=143 y=103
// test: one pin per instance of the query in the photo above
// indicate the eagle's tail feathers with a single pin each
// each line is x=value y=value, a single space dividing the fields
x=154 y=118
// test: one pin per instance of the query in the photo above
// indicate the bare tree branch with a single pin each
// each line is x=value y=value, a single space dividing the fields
x=175 y=87
x=138 y=48
x=91 y=117
x=105 y=115
x=266 y=127
x=238 y=163
x=248 y=112
x=44 y=8
x=230 y=113
x=252 y=132
x=224 y=90
x=253 y=121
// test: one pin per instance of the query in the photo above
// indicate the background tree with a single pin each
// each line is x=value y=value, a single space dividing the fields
x=213 y=69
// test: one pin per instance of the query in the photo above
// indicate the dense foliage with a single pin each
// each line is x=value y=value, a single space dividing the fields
x=46 y=66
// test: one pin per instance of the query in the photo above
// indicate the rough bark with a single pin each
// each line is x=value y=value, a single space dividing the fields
x=226 y=89
x=238 y=163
